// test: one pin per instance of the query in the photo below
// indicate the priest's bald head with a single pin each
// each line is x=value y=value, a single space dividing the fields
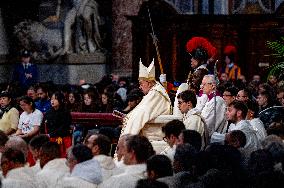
x=146 y=77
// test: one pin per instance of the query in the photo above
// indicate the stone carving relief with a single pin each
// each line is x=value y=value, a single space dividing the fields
x=79 y=31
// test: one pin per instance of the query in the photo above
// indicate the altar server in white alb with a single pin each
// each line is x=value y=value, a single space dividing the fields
x=155 y=102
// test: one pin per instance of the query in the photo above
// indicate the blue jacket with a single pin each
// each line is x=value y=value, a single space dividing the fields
x=19 y=75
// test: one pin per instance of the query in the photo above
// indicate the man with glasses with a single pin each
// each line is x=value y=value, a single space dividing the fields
x=215 y=107
x=171 y=131
x=229 y=95
x=191 y=116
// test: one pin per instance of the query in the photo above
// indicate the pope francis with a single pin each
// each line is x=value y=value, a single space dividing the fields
x=156 y=102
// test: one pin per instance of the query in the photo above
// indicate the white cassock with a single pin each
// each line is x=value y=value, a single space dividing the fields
x=128 y=179
x=155 y=103
x=194 y=121
x=52 y=172
x=258 y=126
x=108 y=166
x=215 y=123
x=170 y=152
x=74 y=182
x=252 y=142
x=86 y=174
x=36 y=168
x=23 y=177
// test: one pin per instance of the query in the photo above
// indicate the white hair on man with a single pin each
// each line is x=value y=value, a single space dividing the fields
x=210 y=78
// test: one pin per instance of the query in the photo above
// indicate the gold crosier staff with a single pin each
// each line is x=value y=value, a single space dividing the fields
x=155 y=42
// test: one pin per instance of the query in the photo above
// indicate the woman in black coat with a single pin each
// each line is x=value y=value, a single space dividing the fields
x=57 y=123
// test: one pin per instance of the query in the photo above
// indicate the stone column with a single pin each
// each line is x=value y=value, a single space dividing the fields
x=122 y=35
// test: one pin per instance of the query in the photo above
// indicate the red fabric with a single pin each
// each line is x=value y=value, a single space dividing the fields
x=196 y=42
x=64 y=145
x=30 y=159
x=230 y=49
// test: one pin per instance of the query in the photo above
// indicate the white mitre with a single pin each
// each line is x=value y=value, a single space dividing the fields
x=146 y=73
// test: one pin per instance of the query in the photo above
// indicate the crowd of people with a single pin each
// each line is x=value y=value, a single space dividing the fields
x=225 y=132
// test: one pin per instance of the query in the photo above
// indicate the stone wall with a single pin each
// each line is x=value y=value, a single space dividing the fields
x=70 y=69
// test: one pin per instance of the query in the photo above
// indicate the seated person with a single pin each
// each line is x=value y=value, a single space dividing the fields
x=30 y=119
x=9 y=115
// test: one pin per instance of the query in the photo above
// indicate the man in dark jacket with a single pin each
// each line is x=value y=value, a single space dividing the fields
x=25 y=73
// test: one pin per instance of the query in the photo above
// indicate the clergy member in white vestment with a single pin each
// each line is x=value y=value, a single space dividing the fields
x=192 y=118
x=53 y=168
x=85 y=170
x=236 y=113
x=100 y=146
x=215 y=106
x=172 y=131
x=138 y=150
x=155 y=102
x=255 y=122
x=16 y=174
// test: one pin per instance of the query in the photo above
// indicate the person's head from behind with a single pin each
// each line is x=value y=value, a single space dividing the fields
x=27 y=104
x=78 y=154
x=48 y=152
x=11 y=159
x=171 y=131
x=236 y=139
x=149 y=183
x=99 y=144
x=236 y=111
x=191 y=137
x=229 y=95
x=35 y=144
x=57 y=100
x=223 y=157
x=260 y=161
x=3 y=140
x=138 y=150
x=17 y=143
x=184 y=158
x=159 y=166
x=186 y=101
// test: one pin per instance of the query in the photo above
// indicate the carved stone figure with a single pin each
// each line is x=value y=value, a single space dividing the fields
x=34 y=36
x=81 y=22
x=85 y=15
